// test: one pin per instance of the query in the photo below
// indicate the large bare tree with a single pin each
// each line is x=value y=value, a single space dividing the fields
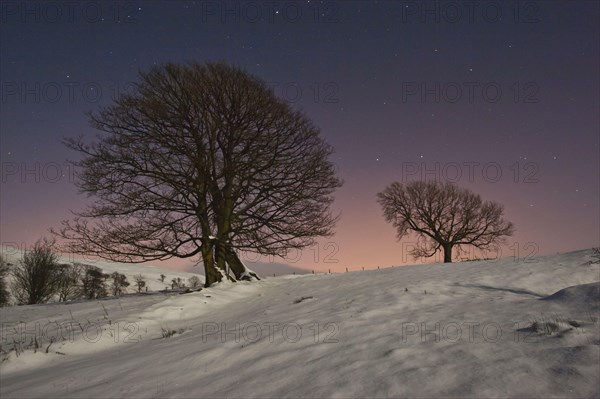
x=443 y=216
x=201 y=160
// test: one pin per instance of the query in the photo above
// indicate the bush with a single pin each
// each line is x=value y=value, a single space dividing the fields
x=595 y=255
x=4 y=294
x=194 y=281
x=140 y=282
x=36 y=277
x=94 y=283
x=69 y=286
x=177 y=283
x=119 y=283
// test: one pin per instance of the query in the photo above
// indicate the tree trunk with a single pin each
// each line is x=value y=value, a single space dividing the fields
x=238 y=268
x=220 y=248
x=211 y=274
x=447 y=253
x=221 y=259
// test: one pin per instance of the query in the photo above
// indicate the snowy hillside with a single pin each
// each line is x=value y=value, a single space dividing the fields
x=474 y=329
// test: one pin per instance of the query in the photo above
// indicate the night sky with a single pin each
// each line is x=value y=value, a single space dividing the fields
x=500 y=97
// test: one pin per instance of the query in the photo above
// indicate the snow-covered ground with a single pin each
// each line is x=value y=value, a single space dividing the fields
x=475 y=329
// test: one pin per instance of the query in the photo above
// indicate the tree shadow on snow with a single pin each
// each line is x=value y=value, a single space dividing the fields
x=511 y=290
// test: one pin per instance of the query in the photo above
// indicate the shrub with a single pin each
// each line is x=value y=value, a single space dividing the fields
x=177 y=283
x=119 y=283
x=4 y=294
x=69 y=280
x=595 y=255
x=140 y=282
x=36 y=277
x=194 y=281
x=94 y=283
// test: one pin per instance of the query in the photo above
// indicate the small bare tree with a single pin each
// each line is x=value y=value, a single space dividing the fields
x=194 y=281
x=140 y=282
x=69 y=281
x=162 y=278
x=176 y=283
x=119 y=283
x=4 y=270
x=444 y=216
x=595 y=255
x=36 y=277
x=94 y=282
